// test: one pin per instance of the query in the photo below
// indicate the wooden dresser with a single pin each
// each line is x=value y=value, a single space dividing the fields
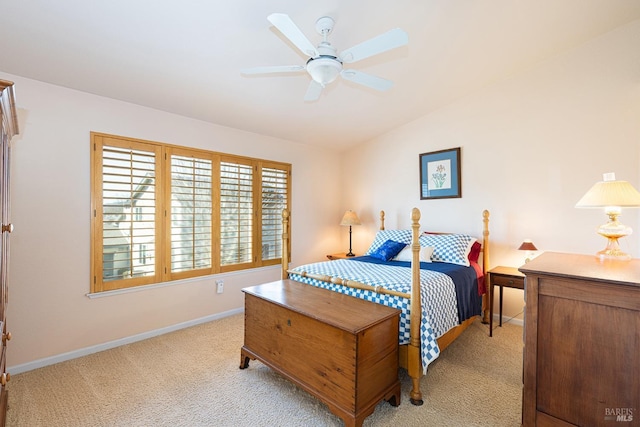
x=582 y=341
x=9 y=121
x=341 y=349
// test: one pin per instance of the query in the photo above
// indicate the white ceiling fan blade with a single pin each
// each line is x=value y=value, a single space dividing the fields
x=313 y=91
x=291 y=31
x=374 y=82
x=382 y=43
x=273 y=69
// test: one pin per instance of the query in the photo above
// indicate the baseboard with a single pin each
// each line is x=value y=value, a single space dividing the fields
x=512 y=320
x=40 y=363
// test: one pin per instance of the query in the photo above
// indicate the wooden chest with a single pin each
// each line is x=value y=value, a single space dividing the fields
x=341 y=349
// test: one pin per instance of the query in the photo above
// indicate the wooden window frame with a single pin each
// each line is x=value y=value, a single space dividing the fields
x=163 y=211
x=215 y=182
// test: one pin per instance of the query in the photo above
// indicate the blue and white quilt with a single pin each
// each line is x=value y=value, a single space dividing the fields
x=439 y=297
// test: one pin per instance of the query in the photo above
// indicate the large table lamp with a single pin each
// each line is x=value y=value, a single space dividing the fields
x=350 y=218
x=611 y=195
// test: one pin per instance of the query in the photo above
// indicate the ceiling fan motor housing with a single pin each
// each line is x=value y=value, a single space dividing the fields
x=325 y=67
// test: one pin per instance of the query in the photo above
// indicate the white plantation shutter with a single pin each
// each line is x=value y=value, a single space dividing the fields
x=191 y=213
x=236 y=213
x=275 y=190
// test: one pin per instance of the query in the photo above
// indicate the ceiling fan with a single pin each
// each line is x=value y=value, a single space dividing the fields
x=325 y=64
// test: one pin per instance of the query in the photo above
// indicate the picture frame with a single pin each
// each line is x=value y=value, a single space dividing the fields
x=440 y=174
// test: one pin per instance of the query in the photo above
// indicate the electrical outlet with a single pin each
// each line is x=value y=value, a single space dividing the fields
x=220 y=286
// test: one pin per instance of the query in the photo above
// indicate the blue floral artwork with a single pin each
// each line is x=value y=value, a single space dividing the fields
x=440 y=174
x=437 y=172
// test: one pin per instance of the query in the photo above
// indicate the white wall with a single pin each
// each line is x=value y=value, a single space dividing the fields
x=49 y=313
x=531 y=147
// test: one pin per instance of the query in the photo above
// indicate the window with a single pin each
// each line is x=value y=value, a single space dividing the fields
x=126 y=213
x=162 y=212
x=275 y=196
x=236 y=213
x=191 y=214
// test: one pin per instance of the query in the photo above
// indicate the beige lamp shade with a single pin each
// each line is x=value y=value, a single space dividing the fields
x=610 y=193
x=350 y=218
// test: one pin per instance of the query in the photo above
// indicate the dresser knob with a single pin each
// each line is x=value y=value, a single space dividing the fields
x=6 y=337
x=7 y=227
x=4 y=378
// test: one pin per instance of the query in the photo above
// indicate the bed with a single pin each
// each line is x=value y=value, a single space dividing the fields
x=448 y=267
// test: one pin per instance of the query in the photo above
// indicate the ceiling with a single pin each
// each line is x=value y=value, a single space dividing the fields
x=185 y=56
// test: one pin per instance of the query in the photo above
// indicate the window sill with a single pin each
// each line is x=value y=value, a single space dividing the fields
x=178 y=282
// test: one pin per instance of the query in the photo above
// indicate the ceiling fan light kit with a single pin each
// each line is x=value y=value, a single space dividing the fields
x=325 y=64
x=324 y=69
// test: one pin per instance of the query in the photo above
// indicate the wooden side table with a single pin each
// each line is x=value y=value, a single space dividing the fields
x=508 y=277
x=339 y=255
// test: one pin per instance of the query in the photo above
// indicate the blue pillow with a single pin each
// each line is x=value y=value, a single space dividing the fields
x=402 y=236
x=388 y=250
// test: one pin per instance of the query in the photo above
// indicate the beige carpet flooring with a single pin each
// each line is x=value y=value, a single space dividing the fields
x=191 y=378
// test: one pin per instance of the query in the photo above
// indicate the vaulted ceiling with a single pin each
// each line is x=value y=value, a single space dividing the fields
x=185 y=56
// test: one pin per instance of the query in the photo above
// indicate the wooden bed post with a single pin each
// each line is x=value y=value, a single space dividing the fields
x=381 y=220
x=285 y=243
x=485 y=266
x=413 y=352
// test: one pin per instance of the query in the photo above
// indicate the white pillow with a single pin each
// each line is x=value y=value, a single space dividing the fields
x=407 y=254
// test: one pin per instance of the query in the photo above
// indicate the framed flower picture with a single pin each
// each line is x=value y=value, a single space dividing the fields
x=440 y=174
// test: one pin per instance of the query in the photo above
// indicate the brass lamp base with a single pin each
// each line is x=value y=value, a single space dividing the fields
x=613 y=251
x=613 y=230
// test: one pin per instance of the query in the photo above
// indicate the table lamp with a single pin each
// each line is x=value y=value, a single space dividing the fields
x=527 y=245
x=611 y=195
x=350 y=218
